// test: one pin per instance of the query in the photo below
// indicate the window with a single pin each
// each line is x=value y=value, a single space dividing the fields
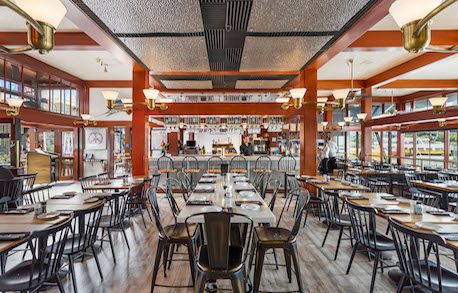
x=337 y=116
x=67 y=143
x=55 y=95
x=430 y=149
x=451 y=100
x=30 y=88
x=421 y=104
x=408 y=107
x=2 y=80
x=339 y=139
x=376 y=110
x=5 y=138
x=66 y=99
x=43 y=91
x=353 y=144
x=390 y=147
x=452 y=149
x=13 y=81
x=75 y=102
x=376 y=144
x=409 y=148
x=46 y=141
x=353 y=111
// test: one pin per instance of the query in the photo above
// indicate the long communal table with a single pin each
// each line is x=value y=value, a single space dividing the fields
x=443 y=188
x=332 y=185
x=263 y=215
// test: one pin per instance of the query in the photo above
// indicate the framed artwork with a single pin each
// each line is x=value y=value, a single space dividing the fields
x=95 y=138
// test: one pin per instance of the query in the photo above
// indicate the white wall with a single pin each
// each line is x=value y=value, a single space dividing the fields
x=98 y=106
x=206 y=139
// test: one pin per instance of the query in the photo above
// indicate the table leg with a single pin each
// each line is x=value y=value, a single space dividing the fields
x=286 y=185
x=444 y=201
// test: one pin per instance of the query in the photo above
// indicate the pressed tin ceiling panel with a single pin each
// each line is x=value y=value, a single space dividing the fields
x=171 y=53
x=146 y=16
x=280 y=53
x=188 y=84
x=302 y=15
x=260 y=84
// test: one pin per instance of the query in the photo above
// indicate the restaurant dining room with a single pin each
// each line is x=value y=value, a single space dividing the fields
x=229 y=146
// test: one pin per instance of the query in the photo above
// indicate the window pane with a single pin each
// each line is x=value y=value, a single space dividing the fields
x=451 y=100
x=75 y=102
x=452 y=149
x=5 y=138
x=353 y=144
x=337 y=116
x=13 y=81
x=67 y=143
x=339 y=139
x=408 y=148
x=421 y=104
x=30 y=87
x=376 y=110
x=43 y=91
x=408 y=107
x=2 y=81
x=46 y=141
x=55 y=95
x=376 y=140
x=66 y=100
x=437 y=149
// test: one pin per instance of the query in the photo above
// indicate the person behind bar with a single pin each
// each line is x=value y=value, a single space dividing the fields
x=246 y=148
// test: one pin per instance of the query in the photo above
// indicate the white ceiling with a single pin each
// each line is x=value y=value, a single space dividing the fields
x=444 y=69
x=98 y=108
x=83 y=64
x=447 y=19
x=11 y=22
x=365 y=64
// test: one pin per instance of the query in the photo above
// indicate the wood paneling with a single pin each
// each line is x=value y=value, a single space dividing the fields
x=76 y=41
x=109 y=83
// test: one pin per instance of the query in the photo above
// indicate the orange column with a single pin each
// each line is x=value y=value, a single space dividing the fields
x=308 y=125
x=140 y=81
x=328 y=117
x=366 y=132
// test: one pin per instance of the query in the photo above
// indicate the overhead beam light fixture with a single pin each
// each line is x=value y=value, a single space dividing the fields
x=438 y=104
x=42 y=17
x=348 y=120
x=85 y=120
x=361 y=117
x=340 y=96
x=14 y=106
x=124 y=104
x=298 y=97
x=414 y=18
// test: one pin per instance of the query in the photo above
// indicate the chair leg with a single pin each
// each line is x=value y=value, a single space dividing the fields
x=306 y=214
x=166 y=256
x=288 y=263
x=252 y=252
x=401 y=284
x=96 y=258
x=199 y=286
x=170 y=256
x=297 y=268
x=326 y=235
x=260 y=253
x=338 y=242
x=143 y=217
x=374 y=270
x=352 y=257
x=275 y=259
x=111 y=244
x=101 y=241
x=191 y=260
x=72 y=272
x=157 y=261
x=125 y=236
x=238 y=282
x=59 y=283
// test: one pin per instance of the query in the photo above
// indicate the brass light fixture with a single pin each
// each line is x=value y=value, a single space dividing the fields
x=14 y=106
x=361 y=117
x=86 y=120
x=42 y=19
x=348 y=120
x=414 y=18
x=438 y=104
x=298 y=96
x=324 y=124
x=341 y=124
x=125 y=104
x=340 y=96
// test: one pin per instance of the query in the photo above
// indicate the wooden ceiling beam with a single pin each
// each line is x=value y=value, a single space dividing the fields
x=340 y=84
x=424 y=95
x=222 y=73
x=406 y=67
x=421 y=84
x=411 y=117
x=225 y=109
x=371 y=17
x=392 y=40
x=77 y=41
x=109 y=83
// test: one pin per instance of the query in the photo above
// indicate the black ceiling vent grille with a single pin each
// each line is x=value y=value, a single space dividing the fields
x=238 y=15
x=217 y=66
x=234 y=55
x=213 y=15
x=214 y=39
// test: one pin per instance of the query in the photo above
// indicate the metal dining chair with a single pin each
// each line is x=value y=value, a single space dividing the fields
x=420 y=262
x=214 y=164
x=43 y=266
x=37 y=194
x=218 y=258
x=28 y=180
x=238 y=164
x=138 y=199
x=266 y=237
x=10 y=192
x=286 y=165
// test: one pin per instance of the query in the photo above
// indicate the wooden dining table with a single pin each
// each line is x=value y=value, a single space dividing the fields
x=115 y=184
x=220 y=202
x=408 y=218
x=443 y=188
x=333 y=184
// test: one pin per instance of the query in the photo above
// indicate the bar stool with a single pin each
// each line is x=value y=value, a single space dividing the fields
x=262 y=166
x=214 y=165
x=238 y=164
x=190 y=166
x=165 y=166
x=286 y=164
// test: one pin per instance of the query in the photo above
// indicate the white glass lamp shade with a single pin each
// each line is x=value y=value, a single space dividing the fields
x=361 y=116
x=348 y=119
x=48 y=11
x=151 y=94
x=298 y=93
x=405 y=11
x=86 y=117
x=324 y=124
x=110 y=95
x=282 y=100
x=320 y=105
x=15 y=102
x=126 y=101
x=322 y=100
x=341 y=123
x=438 y=101
x=340 y=94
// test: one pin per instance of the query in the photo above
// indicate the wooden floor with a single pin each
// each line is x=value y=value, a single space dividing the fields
x=132 y=273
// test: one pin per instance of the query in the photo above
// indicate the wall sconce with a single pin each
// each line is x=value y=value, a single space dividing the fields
x=42 y=17
x=125 y=104
x=341 y=124
x=414 y=17
x=86 y=120
x=361 y=117
x=14 y=106
x=438 y=104
x=341 y=96
x=348 y=120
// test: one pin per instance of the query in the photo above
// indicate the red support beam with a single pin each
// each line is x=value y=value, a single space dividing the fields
x=76 y=41
x=308 y=125
x=392 y=40
x=139 y=123
x=109 y=83
x=412 y=117
x=366 y=130
x=406 y=67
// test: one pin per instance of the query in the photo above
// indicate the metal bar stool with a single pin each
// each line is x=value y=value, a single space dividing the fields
x=214 y=164
x=165 y=166
x=239 y=165
x=190 y=166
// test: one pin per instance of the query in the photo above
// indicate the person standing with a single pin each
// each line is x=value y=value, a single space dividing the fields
x=332 y=155
x=325 y=158
x=246 y=149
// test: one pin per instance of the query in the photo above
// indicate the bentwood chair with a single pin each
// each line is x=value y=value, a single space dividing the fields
x=335 y=218
x=286 y=165
x=113 y=221
x=37 y=194
x=184 y=183
x=84 y=227
x=190 y=166
x=214 y=164
x=238 y=164
x=28 y=180
x=30 y=275
x=364 y=226
x=169 y=236
x=218 y=258
x=276 y=237
x=420 y=260
x=138 y=199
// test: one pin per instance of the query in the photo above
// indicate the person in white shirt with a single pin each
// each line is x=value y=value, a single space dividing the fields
x=332 y=155
x=324 y=154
